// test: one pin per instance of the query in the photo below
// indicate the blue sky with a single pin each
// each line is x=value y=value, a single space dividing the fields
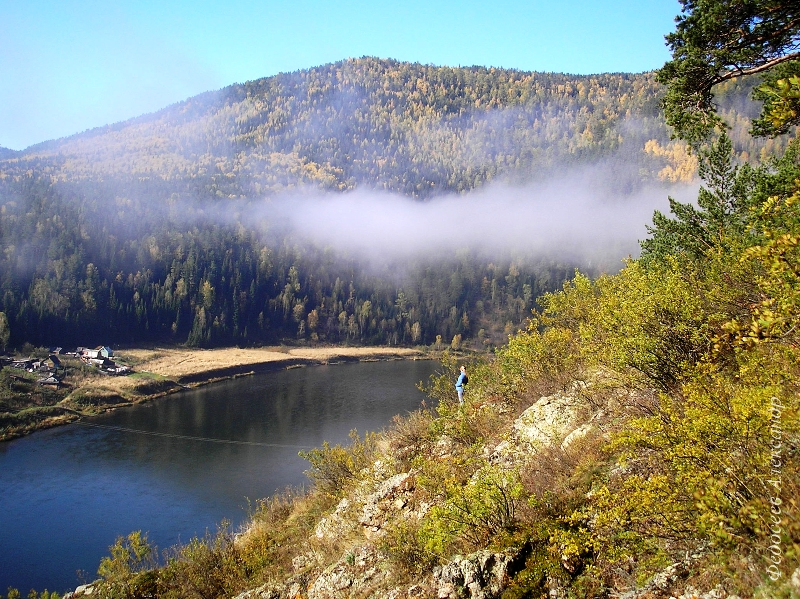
x=69 y=66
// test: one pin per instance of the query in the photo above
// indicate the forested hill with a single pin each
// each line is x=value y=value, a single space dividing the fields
x=7 y=153
x=108 y=236
x=409 y=128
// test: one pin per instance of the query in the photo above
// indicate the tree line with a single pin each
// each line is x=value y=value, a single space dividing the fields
x=77 y=268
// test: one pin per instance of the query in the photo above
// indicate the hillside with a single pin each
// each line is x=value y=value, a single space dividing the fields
x=7 y=153
x=164 y=229
x=128 y=233
x=408 y=128
x=639 y=439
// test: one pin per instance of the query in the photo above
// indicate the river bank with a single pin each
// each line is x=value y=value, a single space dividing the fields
x=193 y=366
x=157 y=372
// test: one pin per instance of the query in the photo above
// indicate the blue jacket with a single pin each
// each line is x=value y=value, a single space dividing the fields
x=460 y=382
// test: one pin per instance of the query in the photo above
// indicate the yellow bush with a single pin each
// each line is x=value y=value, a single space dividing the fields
x=333 y=469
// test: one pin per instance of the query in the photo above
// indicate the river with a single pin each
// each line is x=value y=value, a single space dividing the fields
x=178 y=466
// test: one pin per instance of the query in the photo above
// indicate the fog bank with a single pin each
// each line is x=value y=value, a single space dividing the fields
x=572 y=219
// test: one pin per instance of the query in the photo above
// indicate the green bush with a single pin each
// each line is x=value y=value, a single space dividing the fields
x=14 y=594
x=333 y=469
x=128 y=572
x=405 y=544
x=474 y=511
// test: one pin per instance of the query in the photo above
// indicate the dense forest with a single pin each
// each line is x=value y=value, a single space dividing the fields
x=114 y=236
x=76 y=271
x=414 y=129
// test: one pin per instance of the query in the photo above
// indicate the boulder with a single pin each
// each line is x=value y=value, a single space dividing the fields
x=480 y=575
x=335 y=525
x=553 y=419
x=358 y=569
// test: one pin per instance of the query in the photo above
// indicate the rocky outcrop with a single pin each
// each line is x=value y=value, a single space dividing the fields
x=356 y=571
x=85 y=590
x=290 y=589
x=372 y=509
x=552 y=420
x=338 y=523
x=393 y=495
x=359 y=569
x=481 y=575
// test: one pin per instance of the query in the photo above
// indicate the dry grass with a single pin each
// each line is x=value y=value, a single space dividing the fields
x=115 y=384
x=178 y=363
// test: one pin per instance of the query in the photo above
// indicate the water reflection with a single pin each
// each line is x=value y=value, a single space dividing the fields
x=66 y=493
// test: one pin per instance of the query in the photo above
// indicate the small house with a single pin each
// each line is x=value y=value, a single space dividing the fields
x=99 y=353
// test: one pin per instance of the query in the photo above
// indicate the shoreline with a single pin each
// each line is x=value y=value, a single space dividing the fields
x=201 y=366
x=159 y=372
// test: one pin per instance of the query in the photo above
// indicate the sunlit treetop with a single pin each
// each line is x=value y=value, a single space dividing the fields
x=718 y=40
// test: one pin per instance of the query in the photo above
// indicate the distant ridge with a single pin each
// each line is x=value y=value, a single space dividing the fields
x=418 y=130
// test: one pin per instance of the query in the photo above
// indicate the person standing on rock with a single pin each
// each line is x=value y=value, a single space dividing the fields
x=460 y=384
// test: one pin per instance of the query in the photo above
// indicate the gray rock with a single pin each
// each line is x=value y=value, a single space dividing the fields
x=552 y=420
x=355 y=571
x=556 y=588
x=665 y=579
x=337 y=523
x=388 y=497
x=480 y=575
x=716 y=593
x=288 y=589
x=84 y=590
x=262 y=592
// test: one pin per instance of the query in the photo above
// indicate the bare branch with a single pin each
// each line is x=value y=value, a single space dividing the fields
x=740 y=72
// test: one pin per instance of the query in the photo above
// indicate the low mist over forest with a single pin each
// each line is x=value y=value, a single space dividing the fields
x=367 y=201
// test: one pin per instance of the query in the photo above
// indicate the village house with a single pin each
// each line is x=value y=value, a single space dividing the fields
x=101 y=358
x=102 y=352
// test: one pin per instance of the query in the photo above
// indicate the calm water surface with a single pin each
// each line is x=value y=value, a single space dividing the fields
x=177 y=467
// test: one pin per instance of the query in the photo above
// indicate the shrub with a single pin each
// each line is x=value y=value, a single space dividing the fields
x=333 y=469
x=405 y=544
x=14 y=594
x=474 y=511
x=128 y=571
x=211 y=566
x=695 y=475
x=410 y=436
